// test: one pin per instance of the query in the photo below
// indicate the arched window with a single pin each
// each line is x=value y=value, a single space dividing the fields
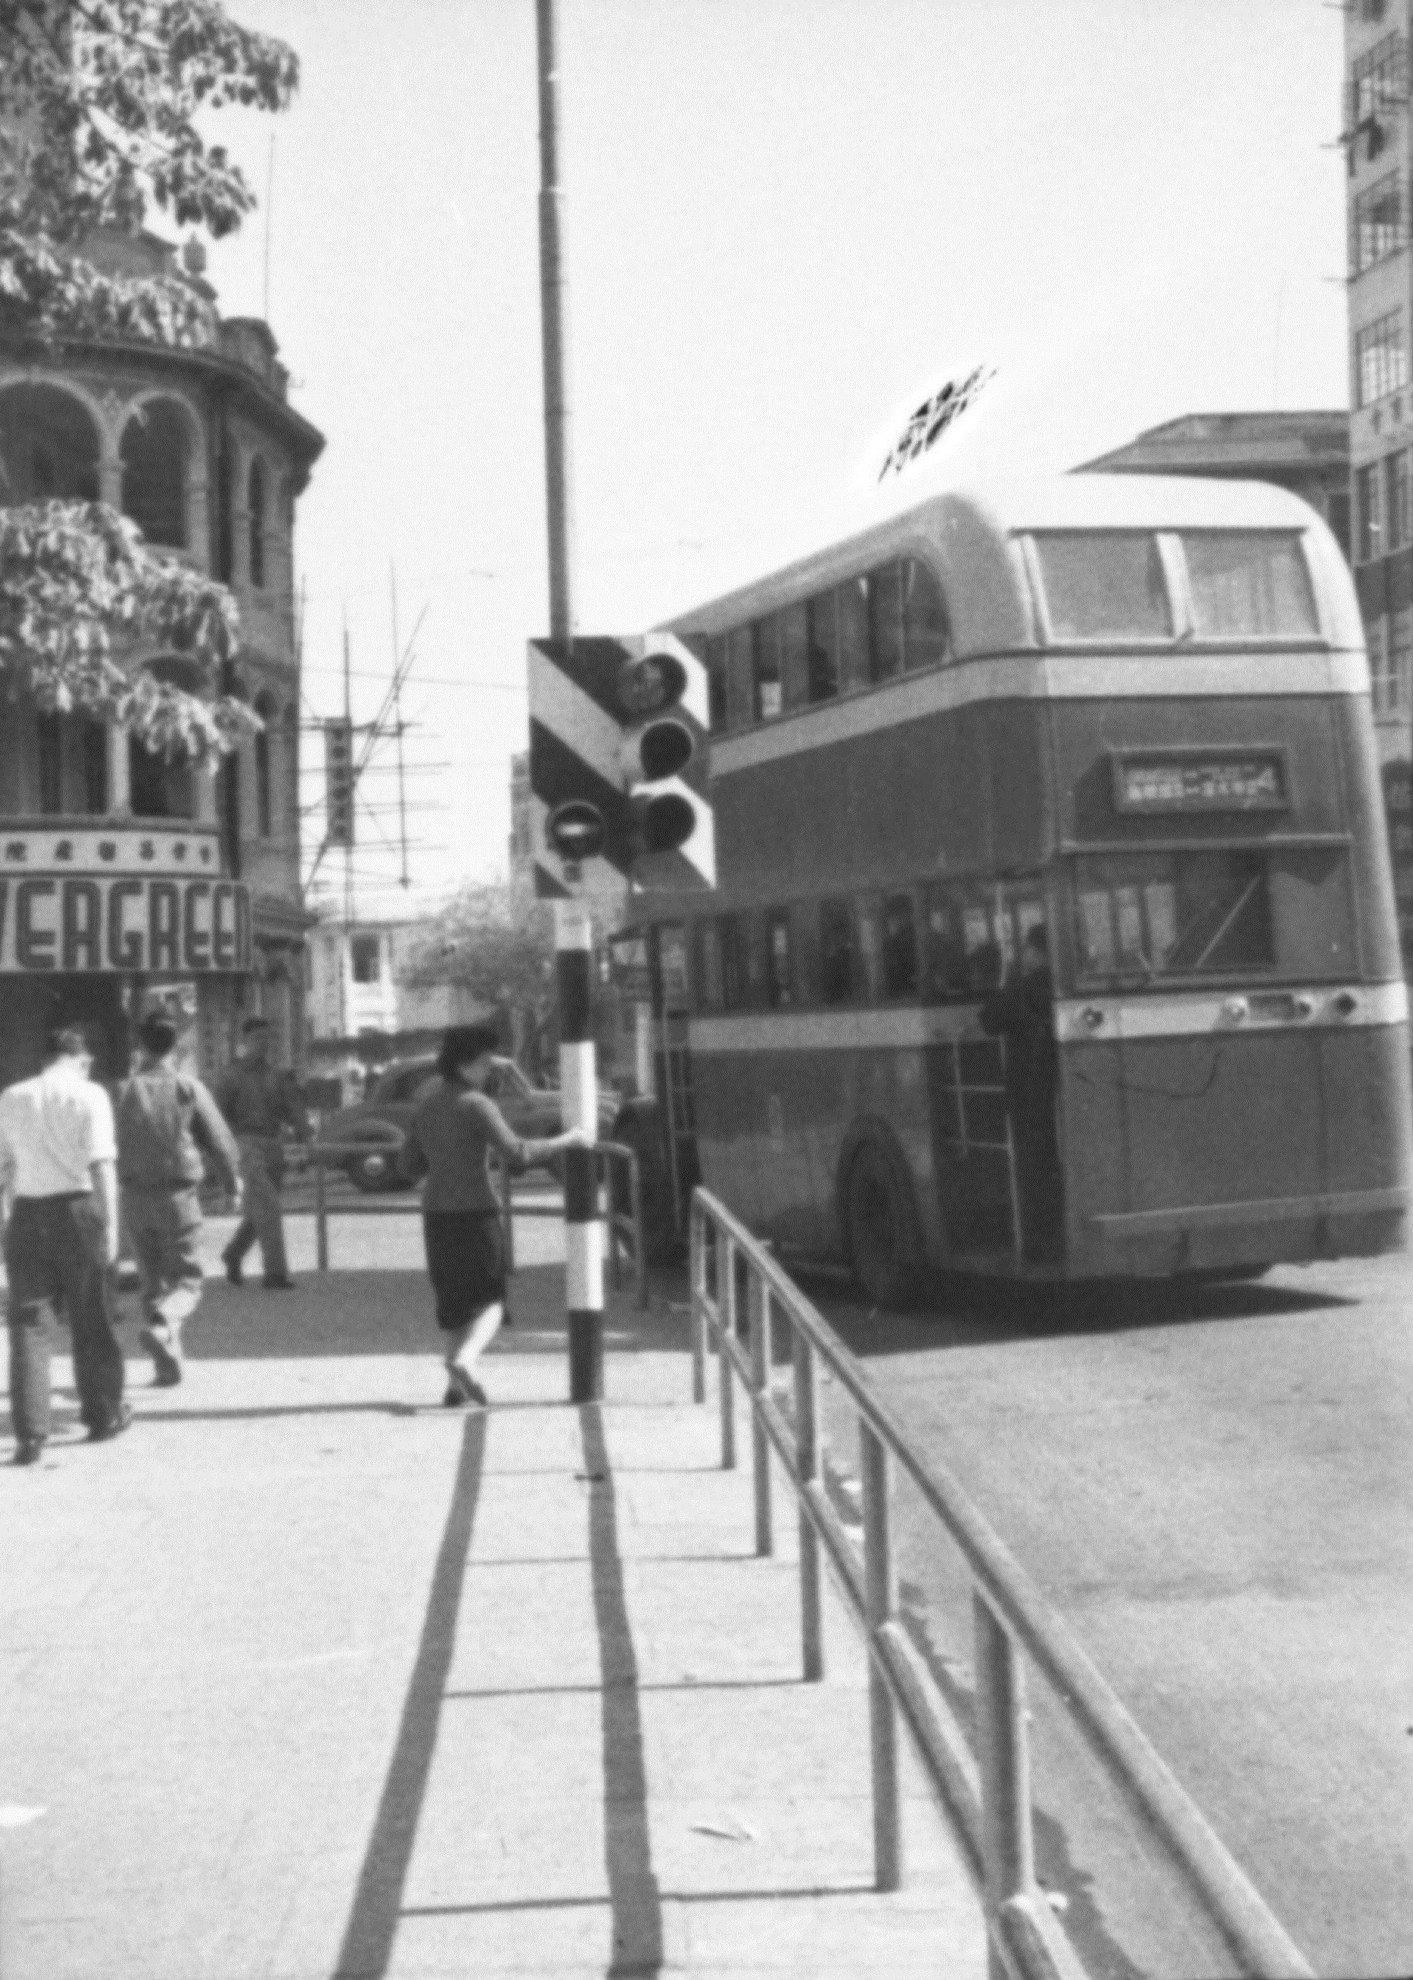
x=164 y=786
x=154 y=454
x=255 y=504
x=48 y=447
x=264 y=804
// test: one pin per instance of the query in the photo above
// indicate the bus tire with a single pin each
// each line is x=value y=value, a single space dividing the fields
x=881 y=1227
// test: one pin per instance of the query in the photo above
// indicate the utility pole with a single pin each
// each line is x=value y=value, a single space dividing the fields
x=346 y=946
x=397 y=721
x=573 y=934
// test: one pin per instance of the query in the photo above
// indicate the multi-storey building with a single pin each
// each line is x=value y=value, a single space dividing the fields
x=125 y=876
x=1378 y=148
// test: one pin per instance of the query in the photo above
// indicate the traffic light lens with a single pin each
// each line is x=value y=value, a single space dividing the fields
x=576 y=830
x=667 y=823
x=654 y=682
x=664 y=749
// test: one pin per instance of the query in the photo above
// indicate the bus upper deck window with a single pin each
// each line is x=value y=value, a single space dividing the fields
x=836 y=952
x=716 y=666
x=851 y=603
x=927 y=630
x=767 y=701
x=1249 y=584
x=823 y=654
x=1104 y=584
x=793 y=622
x=885 y=622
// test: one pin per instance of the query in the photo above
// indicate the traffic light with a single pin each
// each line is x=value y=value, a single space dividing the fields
x=618 y=760
x=663 y=695
x=338 y=781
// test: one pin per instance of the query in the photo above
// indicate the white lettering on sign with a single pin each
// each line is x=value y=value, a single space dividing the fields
x=69 y=922
x=1255 y=783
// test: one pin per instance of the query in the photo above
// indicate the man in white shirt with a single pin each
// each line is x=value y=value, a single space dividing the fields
x=58 y=1181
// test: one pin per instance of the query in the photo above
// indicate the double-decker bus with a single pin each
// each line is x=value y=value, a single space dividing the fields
x=1054 y=932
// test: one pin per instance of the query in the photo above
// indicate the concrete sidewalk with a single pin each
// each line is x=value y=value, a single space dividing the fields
x=308 y=1676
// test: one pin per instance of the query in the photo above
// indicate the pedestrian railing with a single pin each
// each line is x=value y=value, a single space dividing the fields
x=986 y=1795
x=624 y=1218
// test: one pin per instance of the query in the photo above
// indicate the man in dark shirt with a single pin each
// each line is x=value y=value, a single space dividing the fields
x=1022 y=1012
x=164 y=1119
x=259 y=1100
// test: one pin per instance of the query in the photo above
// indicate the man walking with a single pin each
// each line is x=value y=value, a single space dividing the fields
x=162 y=1117
x=58 y=1182
x=258 y=1100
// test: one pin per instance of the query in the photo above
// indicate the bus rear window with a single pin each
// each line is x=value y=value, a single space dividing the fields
x=1249 y=584
x=1104 y=584
x=1174 y=914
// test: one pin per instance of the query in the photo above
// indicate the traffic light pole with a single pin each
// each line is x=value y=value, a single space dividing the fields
x=583 y=1249
x=573 y=935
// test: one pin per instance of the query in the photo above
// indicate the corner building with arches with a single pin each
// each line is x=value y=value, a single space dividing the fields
x=127 y=878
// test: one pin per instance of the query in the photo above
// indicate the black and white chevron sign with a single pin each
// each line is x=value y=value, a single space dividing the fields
x=606 y=716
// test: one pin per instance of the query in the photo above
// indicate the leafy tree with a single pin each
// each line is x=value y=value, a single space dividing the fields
x=99 y=102
x=501 y=948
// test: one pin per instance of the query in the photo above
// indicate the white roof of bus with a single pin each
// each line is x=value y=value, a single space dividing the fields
x=968 y=531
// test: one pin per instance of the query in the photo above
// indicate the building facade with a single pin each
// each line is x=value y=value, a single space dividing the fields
x=358 y=997
x=126 y=878
x=1377 y=134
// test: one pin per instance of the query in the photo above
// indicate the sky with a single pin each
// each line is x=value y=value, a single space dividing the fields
x=788 y=222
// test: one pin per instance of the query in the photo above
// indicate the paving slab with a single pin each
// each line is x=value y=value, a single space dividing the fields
x=308 y=1677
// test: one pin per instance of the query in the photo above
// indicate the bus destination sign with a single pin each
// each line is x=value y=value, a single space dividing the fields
x=1207 y=782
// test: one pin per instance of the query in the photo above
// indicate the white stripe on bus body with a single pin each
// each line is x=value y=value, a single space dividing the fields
x=1177 y=1015
x=1171 y=674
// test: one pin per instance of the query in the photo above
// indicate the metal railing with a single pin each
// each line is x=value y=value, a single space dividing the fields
x=987 y=1796
x=624 y=1227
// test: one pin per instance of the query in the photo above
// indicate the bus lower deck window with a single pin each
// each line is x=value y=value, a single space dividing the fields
x=836 y=952
x=779 y=983
x=1174 y=914
x=899 y=947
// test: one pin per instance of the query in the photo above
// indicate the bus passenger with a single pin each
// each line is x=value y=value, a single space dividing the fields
x=1022 y=1012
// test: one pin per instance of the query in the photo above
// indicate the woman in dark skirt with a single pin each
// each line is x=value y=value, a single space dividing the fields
x=450 y=1142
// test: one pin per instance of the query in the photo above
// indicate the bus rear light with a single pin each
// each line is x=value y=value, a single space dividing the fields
x=1091 y=1017
x=1236 y=1010
x=1345 y=1004
x=1303 y=1006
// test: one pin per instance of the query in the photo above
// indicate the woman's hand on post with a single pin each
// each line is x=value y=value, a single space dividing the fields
x=576 y=1138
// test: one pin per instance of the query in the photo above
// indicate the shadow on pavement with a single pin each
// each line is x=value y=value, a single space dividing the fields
x=389 y=1312
x=377 y=1904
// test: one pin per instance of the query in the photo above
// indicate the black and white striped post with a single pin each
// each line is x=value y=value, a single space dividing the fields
x=583 y=1242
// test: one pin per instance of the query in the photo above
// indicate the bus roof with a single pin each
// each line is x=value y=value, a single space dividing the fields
x=966 y=535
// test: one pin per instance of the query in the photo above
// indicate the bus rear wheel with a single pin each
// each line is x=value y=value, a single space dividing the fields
x=882 y=1231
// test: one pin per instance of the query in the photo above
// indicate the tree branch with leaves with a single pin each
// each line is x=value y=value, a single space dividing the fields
x=99 y=109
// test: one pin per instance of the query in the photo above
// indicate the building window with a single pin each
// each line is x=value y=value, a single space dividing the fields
x=255 y=506
x=1377 y=86
x=48 y=447
x=264 y=804
x=1368 y=491
x=94 y=750
x=154 y=456
x=1391 y=666
x=364 y=959
x=1396 y=513
x=1378 y=223
x=1380 y=359
x=49 y=736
